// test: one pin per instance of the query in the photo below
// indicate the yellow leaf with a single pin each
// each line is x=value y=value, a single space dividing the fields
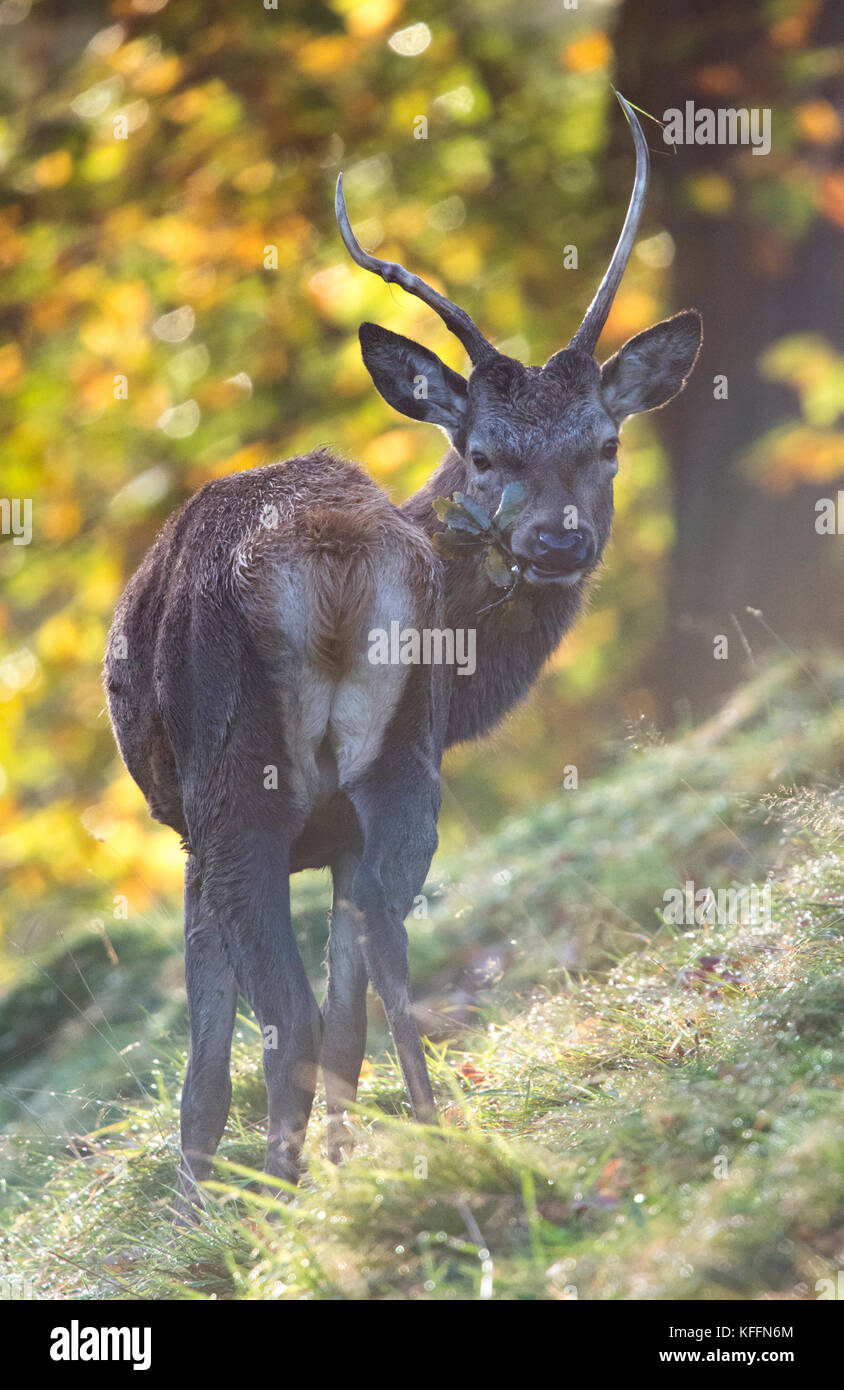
x=127 y=302
x=720 y=79
x=832 y=196
x=53 y=170
x=711 y=193
x=632 y=310
x=58 y=640
x=11 y=366
x=157 y=77
x=12 y=246
x=327 y=55
x=61 y=518
x=251 y=456
x=391 y=451
x=256 y=178
x=366 y=17
x=819 y=122
x=48 y=313
x=588 y=53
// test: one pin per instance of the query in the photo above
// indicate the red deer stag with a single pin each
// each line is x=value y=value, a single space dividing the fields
x=248 y=709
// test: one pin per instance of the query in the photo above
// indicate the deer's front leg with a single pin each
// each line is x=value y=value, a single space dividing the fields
x=397 y=810
x=344 y=1008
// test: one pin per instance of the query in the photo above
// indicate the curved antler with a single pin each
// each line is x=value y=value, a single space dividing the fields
x=454 y=318
x=596 y=315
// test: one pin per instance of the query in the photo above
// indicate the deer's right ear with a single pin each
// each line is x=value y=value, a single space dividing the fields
x=412 y=379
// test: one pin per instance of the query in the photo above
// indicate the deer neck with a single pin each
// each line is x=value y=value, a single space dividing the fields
x=508 y=660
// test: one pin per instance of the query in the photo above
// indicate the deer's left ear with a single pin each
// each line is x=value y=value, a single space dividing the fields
x=652 y=367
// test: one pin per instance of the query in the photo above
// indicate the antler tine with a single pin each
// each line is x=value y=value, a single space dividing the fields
x=455 y=318
x=596 y=315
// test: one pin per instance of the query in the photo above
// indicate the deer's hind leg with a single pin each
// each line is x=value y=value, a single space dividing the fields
x=212 y=1002
x=242 y=826
x=249 y=887
x=228 y=720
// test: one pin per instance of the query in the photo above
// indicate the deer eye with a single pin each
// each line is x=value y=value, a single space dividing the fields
x=480 y=461
x=609 y=450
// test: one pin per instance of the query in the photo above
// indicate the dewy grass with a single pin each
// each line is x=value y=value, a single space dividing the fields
x=630 y=1108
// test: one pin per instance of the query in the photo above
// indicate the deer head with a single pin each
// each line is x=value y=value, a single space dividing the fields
x=554 y=429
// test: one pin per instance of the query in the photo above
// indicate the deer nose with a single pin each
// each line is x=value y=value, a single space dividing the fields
x=573 y=550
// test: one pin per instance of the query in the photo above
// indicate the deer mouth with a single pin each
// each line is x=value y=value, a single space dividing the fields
x=540 y=574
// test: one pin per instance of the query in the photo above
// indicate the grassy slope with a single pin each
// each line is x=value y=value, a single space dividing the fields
x=630 y=1109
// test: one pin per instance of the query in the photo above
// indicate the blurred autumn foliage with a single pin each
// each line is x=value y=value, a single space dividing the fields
x=175 y=304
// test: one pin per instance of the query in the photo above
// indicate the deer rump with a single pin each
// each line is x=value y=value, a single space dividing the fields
x=237 y=671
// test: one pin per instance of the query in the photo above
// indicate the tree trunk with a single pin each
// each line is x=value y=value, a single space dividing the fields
x=738 y=544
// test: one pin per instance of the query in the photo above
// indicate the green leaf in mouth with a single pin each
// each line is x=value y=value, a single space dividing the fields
x=469 y=527
x=511 y=504
x=498 y=570
x=457 y=516
x=475 y=510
